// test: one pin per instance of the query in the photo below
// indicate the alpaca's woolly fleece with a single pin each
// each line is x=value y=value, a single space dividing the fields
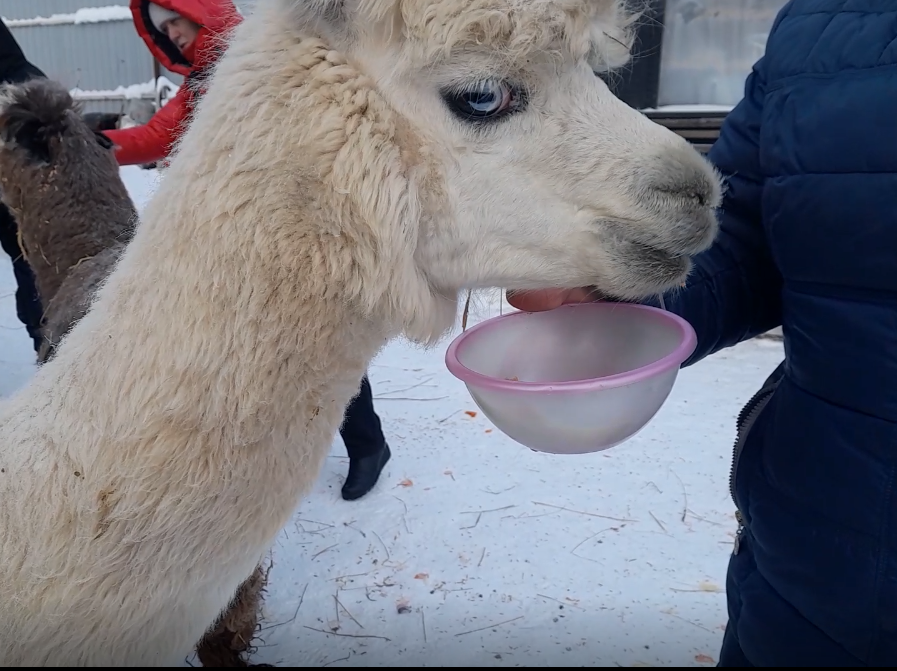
x=48 y=149
x=319 y=204
x=599 y=31
x=247 y=334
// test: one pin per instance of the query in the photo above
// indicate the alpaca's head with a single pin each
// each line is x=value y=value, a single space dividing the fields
x=539 y=176
x=43 y=136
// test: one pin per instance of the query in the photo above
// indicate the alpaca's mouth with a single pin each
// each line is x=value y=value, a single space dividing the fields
x=645 y=270
x=666 y=238
x=662 y=261
x=634 y=248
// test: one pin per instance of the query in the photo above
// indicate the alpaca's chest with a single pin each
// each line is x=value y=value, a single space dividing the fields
x=252 y=491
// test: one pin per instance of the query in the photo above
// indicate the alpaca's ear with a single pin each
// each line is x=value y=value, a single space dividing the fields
x=326 y=16
x=21 y=128
x=341 y=21
x=608 y=54
x=8 y=124
x=612 y=39
x=331 y=11
x=33 y=115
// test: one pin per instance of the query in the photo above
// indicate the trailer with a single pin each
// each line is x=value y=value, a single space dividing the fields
x=690 y=61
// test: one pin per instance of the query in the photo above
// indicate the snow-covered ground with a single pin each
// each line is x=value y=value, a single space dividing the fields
x=475 y=551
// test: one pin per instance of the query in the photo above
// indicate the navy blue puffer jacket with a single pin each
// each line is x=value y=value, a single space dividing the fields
x=809 y=242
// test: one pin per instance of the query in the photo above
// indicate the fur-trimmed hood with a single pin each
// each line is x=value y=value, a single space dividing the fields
x=217 y=18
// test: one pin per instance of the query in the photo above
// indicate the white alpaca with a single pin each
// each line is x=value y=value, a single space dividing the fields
x=353 y=166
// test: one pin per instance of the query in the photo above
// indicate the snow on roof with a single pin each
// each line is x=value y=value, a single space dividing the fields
x=83 y=15
x=143 y=90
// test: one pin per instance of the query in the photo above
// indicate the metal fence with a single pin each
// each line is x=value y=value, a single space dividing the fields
x=92 y=47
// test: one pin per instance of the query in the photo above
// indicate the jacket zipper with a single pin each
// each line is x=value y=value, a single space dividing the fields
x=745 y=421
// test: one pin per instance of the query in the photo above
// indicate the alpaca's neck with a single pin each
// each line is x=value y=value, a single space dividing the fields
x=232 y=305
x=77 y=212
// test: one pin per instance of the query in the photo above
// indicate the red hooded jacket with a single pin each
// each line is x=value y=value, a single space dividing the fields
x=153 y=141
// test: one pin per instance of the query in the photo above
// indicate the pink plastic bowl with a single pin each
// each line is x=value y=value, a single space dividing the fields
x=588 y=376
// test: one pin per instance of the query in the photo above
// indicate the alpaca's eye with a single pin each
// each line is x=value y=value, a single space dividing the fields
x=487 y=100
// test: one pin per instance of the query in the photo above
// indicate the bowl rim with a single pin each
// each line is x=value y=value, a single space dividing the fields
x=686 y=347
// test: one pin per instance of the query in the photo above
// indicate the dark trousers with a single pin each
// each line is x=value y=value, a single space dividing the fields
x=731 y=654
x=361 y=430
x=28 y=307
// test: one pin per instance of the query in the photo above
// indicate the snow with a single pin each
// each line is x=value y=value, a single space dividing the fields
x=127 y=92
x=147 y=89
x=474 y=551
x=83 y=15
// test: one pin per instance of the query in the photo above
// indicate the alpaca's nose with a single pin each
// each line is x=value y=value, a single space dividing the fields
x=677 y=191
x=690 y=188
x=696 y=192
x=680 y=177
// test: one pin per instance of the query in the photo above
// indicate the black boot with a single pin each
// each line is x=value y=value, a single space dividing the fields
x=364 y=473
x=367 y=448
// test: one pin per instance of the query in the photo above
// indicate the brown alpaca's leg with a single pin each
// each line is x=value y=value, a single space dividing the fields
x=227 y=643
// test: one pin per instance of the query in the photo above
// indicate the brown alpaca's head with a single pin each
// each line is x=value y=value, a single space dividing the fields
x=43 y=134
x=61 y=181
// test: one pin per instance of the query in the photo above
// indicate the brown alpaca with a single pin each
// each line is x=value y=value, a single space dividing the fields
x=75 y=217
x=228 y=643
x=61 y=183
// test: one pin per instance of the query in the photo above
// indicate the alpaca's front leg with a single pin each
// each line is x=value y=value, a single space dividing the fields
x=227 y=643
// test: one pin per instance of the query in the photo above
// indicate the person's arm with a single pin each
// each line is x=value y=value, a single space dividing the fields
x=734 y=290
x=152 y=141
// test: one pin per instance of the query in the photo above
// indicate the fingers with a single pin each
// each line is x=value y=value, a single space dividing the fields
x=536 y=301
x=547 y=299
